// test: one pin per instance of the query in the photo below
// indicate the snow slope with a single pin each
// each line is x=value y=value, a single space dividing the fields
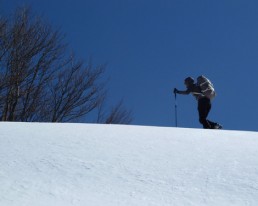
x=97 y=165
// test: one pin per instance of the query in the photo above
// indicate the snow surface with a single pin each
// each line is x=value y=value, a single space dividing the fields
x=95 y=165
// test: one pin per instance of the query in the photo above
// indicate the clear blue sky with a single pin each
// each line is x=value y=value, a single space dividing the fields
x=152 y=45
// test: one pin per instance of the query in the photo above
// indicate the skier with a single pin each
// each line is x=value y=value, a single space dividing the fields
x=204 y=100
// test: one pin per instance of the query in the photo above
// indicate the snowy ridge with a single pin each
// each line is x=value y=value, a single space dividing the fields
x=96 y=165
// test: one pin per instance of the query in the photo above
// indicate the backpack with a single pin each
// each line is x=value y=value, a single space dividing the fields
x=206 y=86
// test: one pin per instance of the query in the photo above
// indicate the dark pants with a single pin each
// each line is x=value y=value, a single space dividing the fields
x=204 y=107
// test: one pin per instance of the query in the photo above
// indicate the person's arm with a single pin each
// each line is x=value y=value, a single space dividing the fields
x=176 y=91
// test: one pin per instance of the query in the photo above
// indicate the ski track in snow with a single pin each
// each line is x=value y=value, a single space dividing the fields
x=96 y=165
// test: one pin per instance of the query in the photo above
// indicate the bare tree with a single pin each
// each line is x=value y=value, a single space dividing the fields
x=31 y=51
x=38 y=80
x=117 y=115
x=75 y=93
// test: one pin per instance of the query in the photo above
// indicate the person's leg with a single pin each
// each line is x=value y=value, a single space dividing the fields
x=204 y=106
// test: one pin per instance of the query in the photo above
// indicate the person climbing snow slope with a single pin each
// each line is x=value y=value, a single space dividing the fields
x=204 y=92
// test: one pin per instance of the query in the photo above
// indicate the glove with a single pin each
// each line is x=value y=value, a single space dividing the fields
x=175 y=90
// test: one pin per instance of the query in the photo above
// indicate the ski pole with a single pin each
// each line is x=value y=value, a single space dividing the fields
x=175 y=110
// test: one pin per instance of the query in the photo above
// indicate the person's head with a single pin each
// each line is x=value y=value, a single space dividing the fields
x=189 y=81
